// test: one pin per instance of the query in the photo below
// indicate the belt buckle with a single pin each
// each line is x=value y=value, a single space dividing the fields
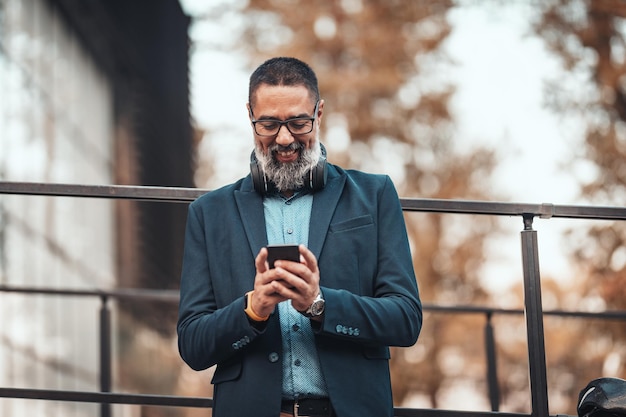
x=296 y=408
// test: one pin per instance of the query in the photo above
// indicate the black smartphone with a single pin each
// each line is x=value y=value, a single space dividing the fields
x=284 y=252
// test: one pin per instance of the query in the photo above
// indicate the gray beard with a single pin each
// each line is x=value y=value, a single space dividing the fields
x=288 y=176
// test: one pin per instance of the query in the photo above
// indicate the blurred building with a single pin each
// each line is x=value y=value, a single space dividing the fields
x=91 y=92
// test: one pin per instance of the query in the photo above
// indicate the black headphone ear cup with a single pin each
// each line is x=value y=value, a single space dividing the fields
x=318 y=175
x=258 y=177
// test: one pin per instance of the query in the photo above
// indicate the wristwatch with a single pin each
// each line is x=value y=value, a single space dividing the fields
x=316 y=309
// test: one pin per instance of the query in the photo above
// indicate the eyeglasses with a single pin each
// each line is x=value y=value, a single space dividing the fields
x=296 y=126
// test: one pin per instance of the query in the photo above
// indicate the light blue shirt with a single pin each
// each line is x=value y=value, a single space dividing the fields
x=287 y=222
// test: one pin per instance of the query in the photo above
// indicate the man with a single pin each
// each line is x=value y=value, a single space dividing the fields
x=308 y=338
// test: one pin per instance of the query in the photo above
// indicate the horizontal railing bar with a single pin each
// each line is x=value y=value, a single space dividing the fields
x=173 y=297
x=427 y=412
x=614 y=315
x=120 y=293
x=494 y=208
x=147 y=193
x=106 y=397
x=606 y=315
x=178 y=194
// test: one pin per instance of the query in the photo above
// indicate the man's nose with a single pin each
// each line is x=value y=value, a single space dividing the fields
x=284 y=136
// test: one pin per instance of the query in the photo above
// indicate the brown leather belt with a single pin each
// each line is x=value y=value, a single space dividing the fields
x=311 y=407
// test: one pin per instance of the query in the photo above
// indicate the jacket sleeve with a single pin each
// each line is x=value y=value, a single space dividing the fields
x=208 y=333
x=366 y=272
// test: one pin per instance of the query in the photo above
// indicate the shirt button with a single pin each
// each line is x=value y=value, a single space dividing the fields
x=273 y=357
x=289 y=231
x=295 y=327
x=297 y=362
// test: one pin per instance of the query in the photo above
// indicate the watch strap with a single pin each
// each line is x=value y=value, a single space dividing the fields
x=250 y=311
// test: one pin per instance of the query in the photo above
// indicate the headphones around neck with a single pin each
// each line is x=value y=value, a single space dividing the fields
x=314 y=179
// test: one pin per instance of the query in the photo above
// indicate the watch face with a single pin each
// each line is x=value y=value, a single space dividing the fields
x=317 y=308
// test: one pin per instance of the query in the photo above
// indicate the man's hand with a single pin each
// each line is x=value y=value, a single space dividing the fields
x=297 y=281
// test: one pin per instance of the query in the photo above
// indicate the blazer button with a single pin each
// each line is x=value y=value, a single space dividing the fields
x=273 y=357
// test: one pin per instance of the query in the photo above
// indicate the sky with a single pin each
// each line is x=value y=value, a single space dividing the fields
x=499 y=103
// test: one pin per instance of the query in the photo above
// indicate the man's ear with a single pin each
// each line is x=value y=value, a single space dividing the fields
x=320 y=111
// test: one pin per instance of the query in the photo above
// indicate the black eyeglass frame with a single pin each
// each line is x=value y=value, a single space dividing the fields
x=285 y=123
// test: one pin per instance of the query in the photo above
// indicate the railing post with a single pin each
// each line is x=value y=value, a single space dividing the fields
x=105 y=354
x=492 y=370
x=534 y=320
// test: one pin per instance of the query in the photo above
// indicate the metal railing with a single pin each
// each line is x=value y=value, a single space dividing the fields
x=532 y=295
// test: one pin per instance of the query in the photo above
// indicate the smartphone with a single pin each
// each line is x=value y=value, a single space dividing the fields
x=284 y=252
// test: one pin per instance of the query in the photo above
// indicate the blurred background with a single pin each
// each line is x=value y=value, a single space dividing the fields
x=512 y=101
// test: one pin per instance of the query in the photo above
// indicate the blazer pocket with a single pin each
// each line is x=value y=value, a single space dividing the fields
x=351 y=224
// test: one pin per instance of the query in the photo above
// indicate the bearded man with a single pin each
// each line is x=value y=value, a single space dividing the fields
x=309 y=336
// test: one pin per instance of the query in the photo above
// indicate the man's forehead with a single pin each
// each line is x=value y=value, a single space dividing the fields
x=266 y=93
x=276 y=102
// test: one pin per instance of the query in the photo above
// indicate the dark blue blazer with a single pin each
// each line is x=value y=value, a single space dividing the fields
x=358 y=234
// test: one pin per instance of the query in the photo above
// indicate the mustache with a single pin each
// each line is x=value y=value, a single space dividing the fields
x=293 y=146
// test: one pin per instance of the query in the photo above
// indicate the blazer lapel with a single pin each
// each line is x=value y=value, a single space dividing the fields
x=250 y=206
x=324 y=204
